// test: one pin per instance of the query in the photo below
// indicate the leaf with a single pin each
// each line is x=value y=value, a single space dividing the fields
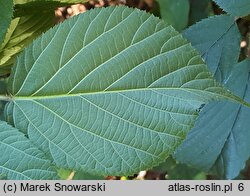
x=235 y=8
x=199 y=10
x=222 y=144
x=20 y=159
x=24 y=7
x=6 y=11
x=112 y=100
x=21 y=32
x=175 y=12
x=220 y=48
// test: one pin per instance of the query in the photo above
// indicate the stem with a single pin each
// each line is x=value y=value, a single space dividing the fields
x=4 y=98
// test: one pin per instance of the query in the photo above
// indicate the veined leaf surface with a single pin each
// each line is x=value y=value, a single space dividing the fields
x=31 y=164
x=111 y=91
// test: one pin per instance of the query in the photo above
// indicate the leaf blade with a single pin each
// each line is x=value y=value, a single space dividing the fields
x=225 y=147
x=220 y=49
x=135 y=115
x=31 y=163
x=175 y=12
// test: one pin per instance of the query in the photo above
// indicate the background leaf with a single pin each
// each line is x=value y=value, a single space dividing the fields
x=24 y=7
x=199 y=10
x=6 y=12
x=175 y=12
x=21 y=32
x=218 y=40
x=20 y=159
x=236 y=8
x=104 y=104
x=220 y=139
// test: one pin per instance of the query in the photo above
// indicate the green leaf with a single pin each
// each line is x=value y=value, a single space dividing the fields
x=175 y=12
x=220 y=48
x=235 y=8
x=199 y=10
x=6 y=11
x=20 y=159
x=222 y=144
x=24 y=7
x=115 y=92
x=21 y=32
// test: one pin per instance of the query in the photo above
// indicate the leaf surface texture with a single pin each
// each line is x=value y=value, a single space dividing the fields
x=112 y=91
x=20 y=158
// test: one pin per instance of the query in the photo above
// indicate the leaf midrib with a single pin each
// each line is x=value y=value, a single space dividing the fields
x=28 y=97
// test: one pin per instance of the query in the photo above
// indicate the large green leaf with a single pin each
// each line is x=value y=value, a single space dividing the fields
x=21 y=32
x=236 y=8
x=175 y=12
x=111 y=91
x=220 y=48
x=24 y=7
x=6 y=12
x=220 y=138
x=20 y=159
